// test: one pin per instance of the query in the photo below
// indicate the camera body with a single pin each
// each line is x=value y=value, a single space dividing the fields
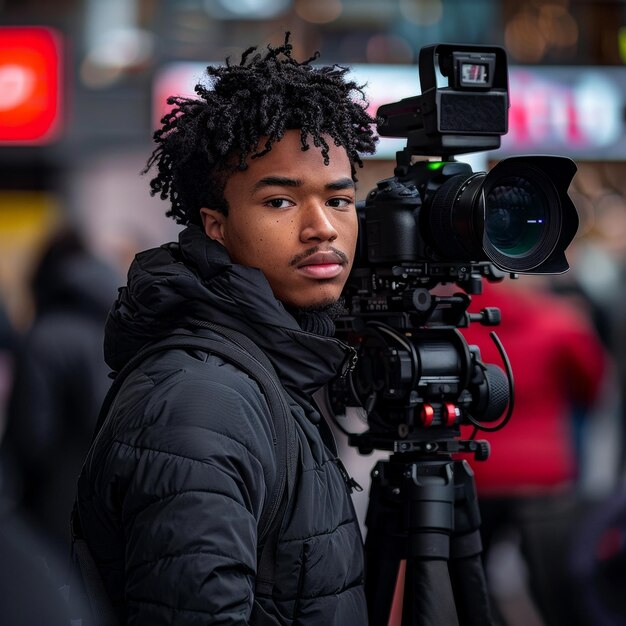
x=436 y=222
x=518 y=216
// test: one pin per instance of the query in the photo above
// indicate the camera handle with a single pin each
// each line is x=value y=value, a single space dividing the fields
x=423 y=546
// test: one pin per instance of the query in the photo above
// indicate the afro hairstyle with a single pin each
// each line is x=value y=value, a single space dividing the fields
x=243 y=112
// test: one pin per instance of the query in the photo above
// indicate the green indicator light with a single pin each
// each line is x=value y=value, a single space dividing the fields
x=435 y=165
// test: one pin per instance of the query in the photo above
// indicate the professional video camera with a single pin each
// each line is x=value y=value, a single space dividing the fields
x=433 y=225
x=435 y=222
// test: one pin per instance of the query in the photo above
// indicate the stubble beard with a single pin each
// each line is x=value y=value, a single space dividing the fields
x=333 y=308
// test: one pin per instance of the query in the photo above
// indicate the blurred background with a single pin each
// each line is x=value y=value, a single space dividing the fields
x=83 y=84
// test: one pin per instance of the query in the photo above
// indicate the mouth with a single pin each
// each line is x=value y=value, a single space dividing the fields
x=322 y=265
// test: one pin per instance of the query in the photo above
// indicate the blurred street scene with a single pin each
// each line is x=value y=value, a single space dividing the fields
x=83 y=84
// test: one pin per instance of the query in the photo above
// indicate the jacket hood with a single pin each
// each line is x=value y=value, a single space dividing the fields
x=178 y=284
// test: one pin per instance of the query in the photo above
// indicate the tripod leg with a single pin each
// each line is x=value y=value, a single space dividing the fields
x=410 y=519
x=470 y=591
x=429 y=600
x=384 y=587
x=466 y=568
x=421 y=596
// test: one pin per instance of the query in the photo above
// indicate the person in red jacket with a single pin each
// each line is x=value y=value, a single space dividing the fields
x=528 y=484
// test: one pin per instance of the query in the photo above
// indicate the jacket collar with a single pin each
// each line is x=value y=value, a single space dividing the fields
x=171 y=286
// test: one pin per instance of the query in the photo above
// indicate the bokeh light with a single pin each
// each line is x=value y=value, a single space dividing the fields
x=422 y=12
x=318 y=12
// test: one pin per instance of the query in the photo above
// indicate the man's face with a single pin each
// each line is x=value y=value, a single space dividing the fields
x=294 y=218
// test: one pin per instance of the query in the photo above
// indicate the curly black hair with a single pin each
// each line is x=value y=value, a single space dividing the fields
x=203 y=140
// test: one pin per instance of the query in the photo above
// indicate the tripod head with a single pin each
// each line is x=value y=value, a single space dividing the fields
x=417 y=380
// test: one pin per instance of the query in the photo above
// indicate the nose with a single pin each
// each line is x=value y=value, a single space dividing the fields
x=317 y=224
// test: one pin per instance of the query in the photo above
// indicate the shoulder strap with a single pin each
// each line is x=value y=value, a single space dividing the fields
x=247 y=356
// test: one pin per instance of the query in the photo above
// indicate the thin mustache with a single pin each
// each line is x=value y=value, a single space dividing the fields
x=296 y=260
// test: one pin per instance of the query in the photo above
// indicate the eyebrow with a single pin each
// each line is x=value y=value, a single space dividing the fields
x=283 y=181
x=342 y=183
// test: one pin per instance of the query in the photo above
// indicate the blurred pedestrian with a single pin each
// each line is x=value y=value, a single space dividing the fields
x=527 y=488
x=31 y=568
x=31 y=573
x=60 y=379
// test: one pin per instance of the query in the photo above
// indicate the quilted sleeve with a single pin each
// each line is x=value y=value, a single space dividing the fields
x=191 y=487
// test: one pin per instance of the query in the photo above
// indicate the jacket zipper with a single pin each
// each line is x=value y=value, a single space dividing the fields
x=351 y=483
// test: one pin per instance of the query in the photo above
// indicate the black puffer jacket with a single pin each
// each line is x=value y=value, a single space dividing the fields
x=173 y=489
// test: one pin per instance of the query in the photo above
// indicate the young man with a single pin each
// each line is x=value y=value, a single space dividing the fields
x=261 y=169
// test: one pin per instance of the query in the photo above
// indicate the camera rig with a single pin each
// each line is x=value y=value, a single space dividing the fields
x=437 y=223
x=432 y=228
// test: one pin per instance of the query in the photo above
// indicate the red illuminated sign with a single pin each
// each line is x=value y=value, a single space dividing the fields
x=30 y=85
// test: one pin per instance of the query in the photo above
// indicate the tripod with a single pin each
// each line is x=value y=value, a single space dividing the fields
x=423 y=546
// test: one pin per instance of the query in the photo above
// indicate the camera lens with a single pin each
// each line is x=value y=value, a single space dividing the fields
x=516 y=214
x=522 y=214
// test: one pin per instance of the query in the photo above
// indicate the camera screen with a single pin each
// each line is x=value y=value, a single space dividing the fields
x=474 y=74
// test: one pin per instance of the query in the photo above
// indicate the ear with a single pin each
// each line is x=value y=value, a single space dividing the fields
x=213 y=222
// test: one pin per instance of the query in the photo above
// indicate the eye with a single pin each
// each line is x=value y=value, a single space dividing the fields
x=340 y=203
x=279 y=203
